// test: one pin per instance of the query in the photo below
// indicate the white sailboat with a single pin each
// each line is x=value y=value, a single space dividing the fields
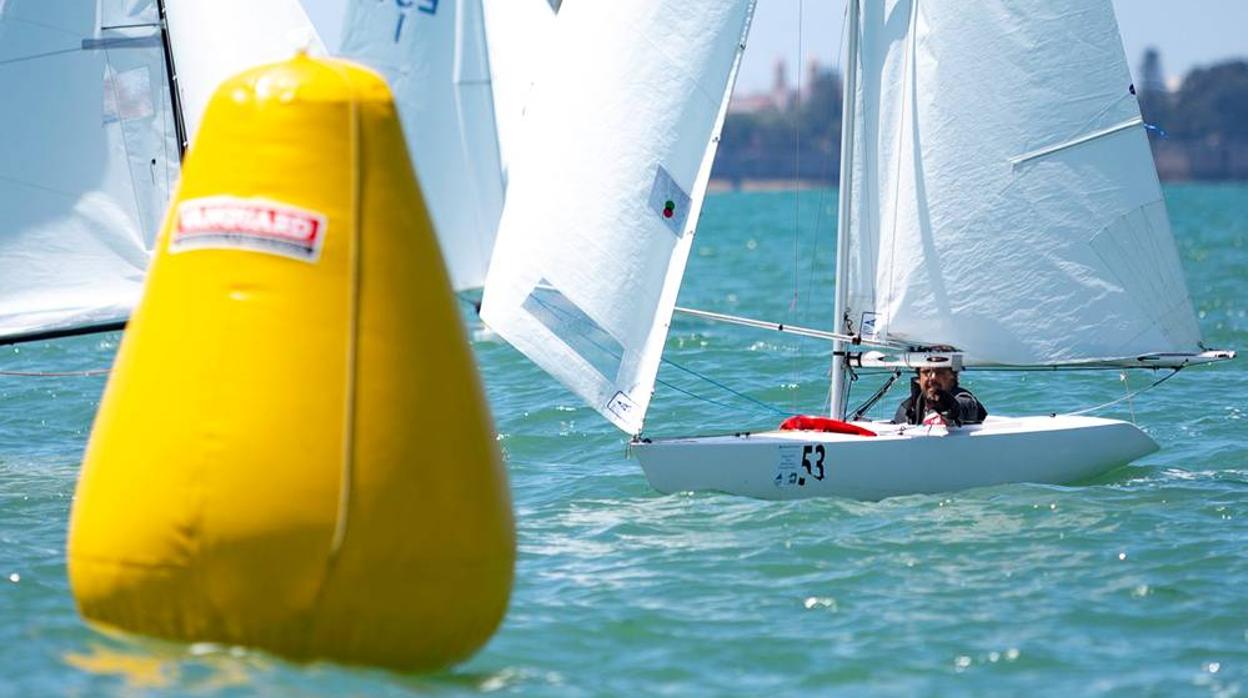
x=997 y=195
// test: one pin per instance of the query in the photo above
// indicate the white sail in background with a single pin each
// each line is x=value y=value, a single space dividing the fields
x=434 y=56
x=518 y=34
x=214 y=39
x=603 y=199
x=1004 y=197
x=89 y=157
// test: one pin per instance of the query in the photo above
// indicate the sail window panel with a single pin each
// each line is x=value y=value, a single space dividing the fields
x=139 y=119
x=572 y=326
x=127 y=95
x=973 y=247
x=641 y=91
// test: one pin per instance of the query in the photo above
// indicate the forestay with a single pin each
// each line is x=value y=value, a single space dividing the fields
x=214 y=39
x=89 y=155
x=604 y=197
x=1004 y=197
x=434 y=56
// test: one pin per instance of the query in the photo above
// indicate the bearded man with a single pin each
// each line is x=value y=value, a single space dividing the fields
x=936 y=398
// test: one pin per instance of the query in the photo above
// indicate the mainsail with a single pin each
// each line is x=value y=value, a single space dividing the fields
x=434 y=56
x=90 y=154
x=1004 y=198
x=605 y=194
x=214 y=39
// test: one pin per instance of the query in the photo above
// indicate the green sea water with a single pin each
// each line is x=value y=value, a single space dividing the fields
x=1134 y=585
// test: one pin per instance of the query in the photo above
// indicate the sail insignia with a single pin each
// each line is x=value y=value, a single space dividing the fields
x=669 y=201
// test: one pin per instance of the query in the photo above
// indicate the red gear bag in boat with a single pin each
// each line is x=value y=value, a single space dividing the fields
x=806 y=422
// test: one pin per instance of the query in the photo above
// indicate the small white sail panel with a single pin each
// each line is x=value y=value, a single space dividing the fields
x=214 y=39
x=89 y=156
x=1004 y=198
x=433 y=54
x=518 y=34
x=604 y=197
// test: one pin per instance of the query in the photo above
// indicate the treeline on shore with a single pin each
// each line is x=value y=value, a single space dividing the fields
x=1200 y=131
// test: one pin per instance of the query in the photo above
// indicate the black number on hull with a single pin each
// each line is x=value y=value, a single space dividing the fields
x=815 y=469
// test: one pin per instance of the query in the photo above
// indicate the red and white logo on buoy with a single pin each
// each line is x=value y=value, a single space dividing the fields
x=260 y=225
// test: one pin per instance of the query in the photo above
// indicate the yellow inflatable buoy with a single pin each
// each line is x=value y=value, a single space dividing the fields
x=293 y=451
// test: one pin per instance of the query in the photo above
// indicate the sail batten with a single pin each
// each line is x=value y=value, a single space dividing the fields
x=1049 y=150
x=605 y=191
x=1006 y=201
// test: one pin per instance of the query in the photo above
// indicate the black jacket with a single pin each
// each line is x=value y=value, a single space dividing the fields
x=957 y=406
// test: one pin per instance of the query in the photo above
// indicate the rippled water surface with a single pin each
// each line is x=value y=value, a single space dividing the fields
x=1134 y=585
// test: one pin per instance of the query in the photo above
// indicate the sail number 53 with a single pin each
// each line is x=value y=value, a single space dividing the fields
x=812 y=460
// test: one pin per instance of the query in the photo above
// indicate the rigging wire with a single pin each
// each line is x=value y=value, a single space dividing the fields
x=695 y=396
x=759 y=403
x=823 y=190
x=797 y=199
x=1128 y=396
x=721 y=386
x=1126 y=386
x=879 y=395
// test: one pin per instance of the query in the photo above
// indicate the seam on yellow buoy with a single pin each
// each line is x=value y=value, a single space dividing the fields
x=347 y=474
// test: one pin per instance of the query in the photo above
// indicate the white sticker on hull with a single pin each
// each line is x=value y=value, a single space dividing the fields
x=789 y=467
x=799 y=465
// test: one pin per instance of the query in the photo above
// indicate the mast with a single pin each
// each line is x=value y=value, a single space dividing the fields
x=849 y=82
x=171 y=75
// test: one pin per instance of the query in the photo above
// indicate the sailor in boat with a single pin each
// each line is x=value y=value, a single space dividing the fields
x=936 y=398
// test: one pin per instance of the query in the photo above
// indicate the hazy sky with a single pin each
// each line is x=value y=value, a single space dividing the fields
x=1188 y=32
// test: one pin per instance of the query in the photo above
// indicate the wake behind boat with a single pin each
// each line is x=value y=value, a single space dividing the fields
x=997 y=197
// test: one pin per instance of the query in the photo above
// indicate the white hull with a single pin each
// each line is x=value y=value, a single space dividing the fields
x=900 y=460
